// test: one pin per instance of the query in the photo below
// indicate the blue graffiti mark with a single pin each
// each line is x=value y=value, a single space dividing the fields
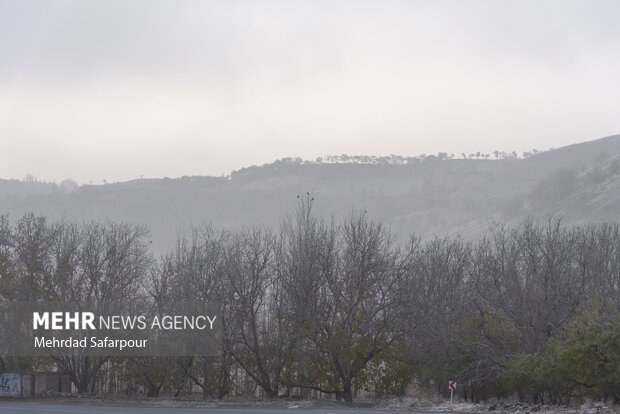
x=9 y=384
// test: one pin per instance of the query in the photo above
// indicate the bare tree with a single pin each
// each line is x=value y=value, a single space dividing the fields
x=103 y=263
x=196 y=271
x=264 y=343
x=345 y=294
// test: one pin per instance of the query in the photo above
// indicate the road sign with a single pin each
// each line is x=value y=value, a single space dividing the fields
x=452 y=386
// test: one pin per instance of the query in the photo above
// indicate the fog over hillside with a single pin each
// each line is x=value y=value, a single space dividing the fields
x=427 y=196
x=368 y=202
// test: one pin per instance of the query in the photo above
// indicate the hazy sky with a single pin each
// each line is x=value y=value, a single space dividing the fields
x=117 y=89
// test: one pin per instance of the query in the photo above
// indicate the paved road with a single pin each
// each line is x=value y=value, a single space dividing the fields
x=40 y=408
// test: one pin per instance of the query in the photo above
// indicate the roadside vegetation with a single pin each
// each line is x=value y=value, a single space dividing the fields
x=318 y=308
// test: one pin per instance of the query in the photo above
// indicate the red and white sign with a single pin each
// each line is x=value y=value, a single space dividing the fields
x=452 y=385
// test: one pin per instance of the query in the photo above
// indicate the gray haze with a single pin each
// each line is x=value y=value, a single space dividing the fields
x=426 y=197
x=116 y=90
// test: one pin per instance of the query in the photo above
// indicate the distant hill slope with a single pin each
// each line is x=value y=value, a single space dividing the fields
x=429 y=196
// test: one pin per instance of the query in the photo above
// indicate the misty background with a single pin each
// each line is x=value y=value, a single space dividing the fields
x=116 y=91
x=176 y=114
x=428 y=196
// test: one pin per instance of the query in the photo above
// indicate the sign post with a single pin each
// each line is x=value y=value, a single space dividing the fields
x=452 y=386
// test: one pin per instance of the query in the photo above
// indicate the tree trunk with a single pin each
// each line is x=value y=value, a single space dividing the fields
x=348 y=390
x=272 y=393
x=152 y=389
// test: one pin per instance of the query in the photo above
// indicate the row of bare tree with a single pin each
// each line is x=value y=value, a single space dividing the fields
x=335 y=307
